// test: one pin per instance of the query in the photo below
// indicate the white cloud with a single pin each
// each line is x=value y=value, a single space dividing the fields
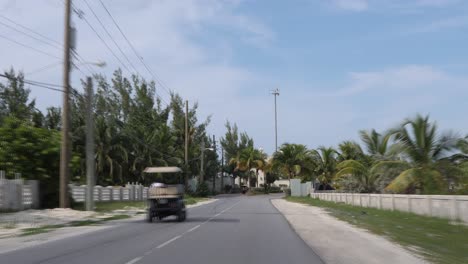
x=404 y=77
x=185 y=42
x=439 y=25
x=404 y=6
x=351 y=5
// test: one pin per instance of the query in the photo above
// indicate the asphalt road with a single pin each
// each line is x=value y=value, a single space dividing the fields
x=234 y=229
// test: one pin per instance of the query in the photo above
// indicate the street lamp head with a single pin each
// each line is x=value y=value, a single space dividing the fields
x=101 y=64
x=210 y=149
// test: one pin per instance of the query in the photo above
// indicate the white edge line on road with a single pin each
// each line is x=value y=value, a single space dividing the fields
x=193 y=228
x=135 y=260
x=168 y=242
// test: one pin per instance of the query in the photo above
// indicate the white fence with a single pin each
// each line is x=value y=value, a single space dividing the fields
x=18 y=194
x=453 y=207
x=300 y=189
x=131 y=192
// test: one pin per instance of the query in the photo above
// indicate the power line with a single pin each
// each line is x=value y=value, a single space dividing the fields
x=29 y=35
x=49 y=41
x=29 y=47
x=134 y=50
x=110 y=36
x=36 y=83
x=32 y=31
x=99 y=36
x=49 y=66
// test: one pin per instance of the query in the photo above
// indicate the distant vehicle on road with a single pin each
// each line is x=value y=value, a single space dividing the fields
x=165 y=200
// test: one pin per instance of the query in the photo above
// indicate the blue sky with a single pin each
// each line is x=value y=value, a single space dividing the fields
x=340 y=65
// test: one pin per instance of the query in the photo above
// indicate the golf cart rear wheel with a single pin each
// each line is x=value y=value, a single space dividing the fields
x=181 y=216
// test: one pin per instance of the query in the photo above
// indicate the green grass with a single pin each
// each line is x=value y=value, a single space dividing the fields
x=193 y=199
x=435 y=239
x=104 y=207
x=39 y=230
x=48 y=228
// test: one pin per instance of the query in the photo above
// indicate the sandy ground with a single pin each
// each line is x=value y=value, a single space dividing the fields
x=12 y=224
x=338 y=242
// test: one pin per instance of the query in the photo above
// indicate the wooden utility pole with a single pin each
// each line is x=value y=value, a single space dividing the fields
x=90 y=163
x=65 y=152
x=186 y=145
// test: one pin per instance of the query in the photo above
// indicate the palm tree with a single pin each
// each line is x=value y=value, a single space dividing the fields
x=248 y=159
x=326 y=161
x=292 y=160
x=110 y=152
x=379 y=145
x=425 y=152
x=359 y=173
x=350 y=150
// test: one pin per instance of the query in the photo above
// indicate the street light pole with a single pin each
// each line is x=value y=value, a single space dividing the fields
x=65 y=152
x=214 y=174
x=276 y=93
x=186 y=145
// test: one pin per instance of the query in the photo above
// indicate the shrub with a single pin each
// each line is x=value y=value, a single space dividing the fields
x=202 y=189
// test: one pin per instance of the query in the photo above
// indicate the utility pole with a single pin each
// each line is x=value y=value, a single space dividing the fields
x=186 y=144
x=202 y=158
x=276 y=93
x=214 y=174
x=65 y=152
x=90 y=164
x=222 y=169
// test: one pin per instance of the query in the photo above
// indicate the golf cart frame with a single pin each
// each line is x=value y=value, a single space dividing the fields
x=166 y=200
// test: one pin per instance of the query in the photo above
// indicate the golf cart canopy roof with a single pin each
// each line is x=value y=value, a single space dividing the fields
x=162 y=170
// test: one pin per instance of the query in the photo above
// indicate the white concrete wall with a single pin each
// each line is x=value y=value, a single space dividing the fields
x=453 y=207
x=19 y=194
x=300 y=189
x=131 y=192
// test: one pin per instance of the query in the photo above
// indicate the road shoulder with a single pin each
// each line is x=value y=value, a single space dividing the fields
x=339 y=242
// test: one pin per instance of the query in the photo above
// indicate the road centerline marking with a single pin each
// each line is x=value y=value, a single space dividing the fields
x=193 y=228
x=135 y=260
x=168 y=242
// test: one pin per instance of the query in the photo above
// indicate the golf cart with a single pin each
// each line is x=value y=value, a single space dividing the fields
x=165 y=200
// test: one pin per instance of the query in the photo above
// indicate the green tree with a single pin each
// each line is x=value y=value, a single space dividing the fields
x=349 y=150
x=425 y=150
x=379 y=146
x=293 y=160
x=33 y=152
x=325 y=162
x=14 y=98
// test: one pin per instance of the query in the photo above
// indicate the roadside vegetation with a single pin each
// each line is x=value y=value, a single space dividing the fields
x=437 y=240
x=412 y=158
x=49 y=228
x=134 y=128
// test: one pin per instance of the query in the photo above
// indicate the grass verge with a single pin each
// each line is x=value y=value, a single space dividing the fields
x=39 y=230
x=193 y=199
x=435 y=239
x=104 y=207
x=48 y=228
